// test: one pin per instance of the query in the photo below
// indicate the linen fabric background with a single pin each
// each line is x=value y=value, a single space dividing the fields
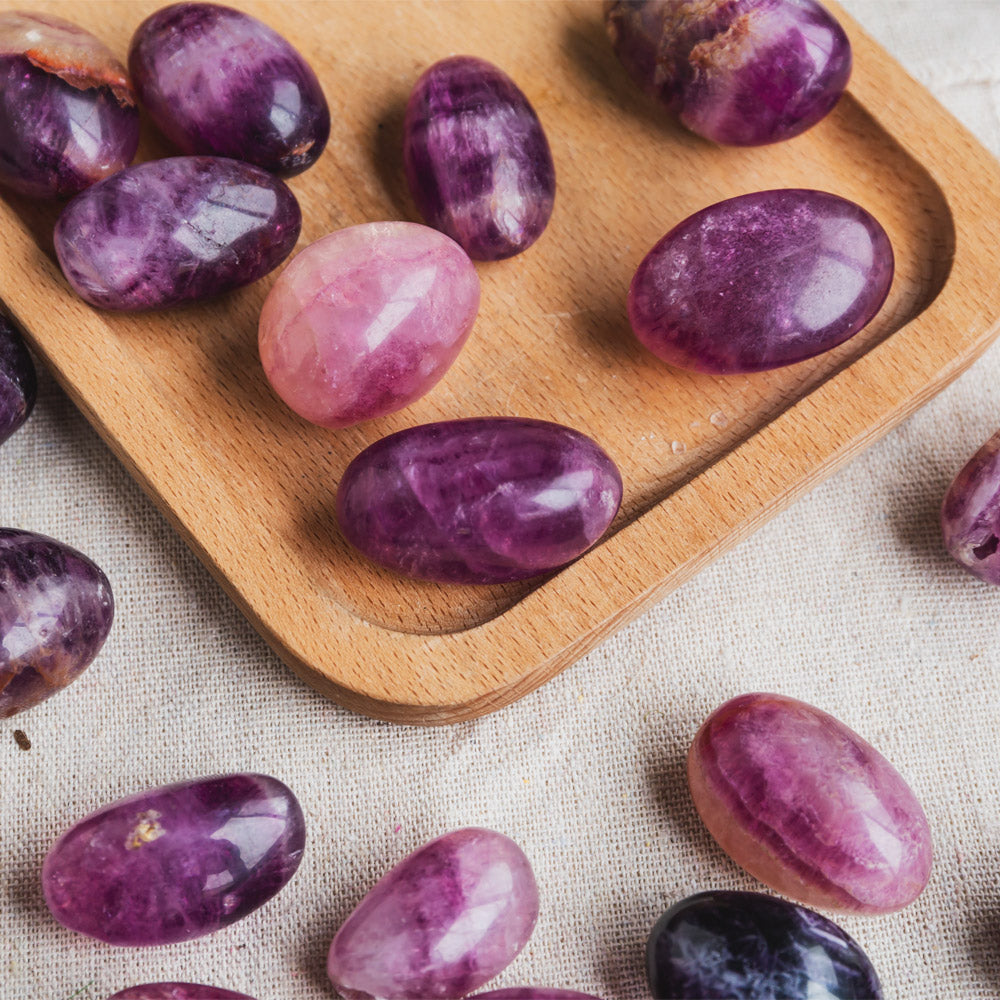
x=846 y=601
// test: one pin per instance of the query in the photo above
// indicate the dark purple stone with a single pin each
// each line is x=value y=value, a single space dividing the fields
x=176 y=862
x=18 y=381
x=531 y=993
x=217 y=81
x=56 y=610
x=485 y=500
x=738 y=72
x=172 y=231
x=477 y=161
x=970 y=515
x=177 y=991
x=761 y=281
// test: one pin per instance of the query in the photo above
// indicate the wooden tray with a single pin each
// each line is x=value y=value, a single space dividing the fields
x=181 y=399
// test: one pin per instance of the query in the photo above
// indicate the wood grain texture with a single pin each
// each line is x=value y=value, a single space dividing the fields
x=181 y=398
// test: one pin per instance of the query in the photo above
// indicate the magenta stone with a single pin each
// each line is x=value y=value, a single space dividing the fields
x=446 y=919
x=738 y=72
x=367 y=320
x=18 y=380
x=808 y=807
x=484 y=500
x=477 y=160
x=970 y=516
x=177 y=991
x=760 y=281
x=176 y=862
x=533 y=993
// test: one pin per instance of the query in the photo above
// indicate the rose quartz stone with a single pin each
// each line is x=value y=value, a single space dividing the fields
x=367 y=320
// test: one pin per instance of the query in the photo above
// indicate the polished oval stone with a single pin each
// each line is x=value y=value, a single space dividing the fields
x=970 y=515
x=67 y=110
x=177 y=991
x=173 y=231
x=476 y=158
x=446 y=919
x=738 y=72
x=747 y=946
x=761 y=281
x=808 y=807
x=176 y=862
x=18 y=380
x=217 y=81
x=533 y=993
x=367 y=320
x=484 y=500
x=56 y=610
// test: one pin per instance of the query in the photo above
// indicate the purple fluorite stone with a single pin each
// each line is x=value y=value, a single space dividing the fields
x=484 y=500
x=738 y=72
x=18 y=381
x=176 y=862
x=177 y=991
x=760 y=281
x=172 y=231
x=532 y=993
x=55 y=613
x=477 y=161
x=220 y=82
x=970 y=515
x=446 y=919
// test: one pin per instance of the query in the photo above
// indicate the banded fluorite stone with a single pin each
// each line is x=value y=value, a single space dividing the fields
x=176 y=862
x=808 y=807
x=970 y=514
x=533 y=993
x=177 y=991
x=446 y=919
x=747 y=946
x=18 y=379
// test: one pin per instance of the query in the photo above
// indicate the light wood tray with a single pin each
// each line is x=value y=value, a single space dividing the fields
x=180 y=397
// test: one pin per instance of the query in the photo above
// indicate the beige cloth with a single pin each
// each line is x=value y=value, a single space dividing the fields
x=846 y=601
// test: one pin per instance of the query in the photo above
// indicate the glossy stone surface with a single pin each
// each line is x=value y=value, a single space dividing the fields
x=747 y=946
x=367 y=320
x=446 y=919
x=476 y=158
x=173 y=231
x=18 y=380
x=176 y=862
x=533 y=993
x=760 y=281
x=970 y=515
x=56 y=610
x=738 y=72
x=67 y=110
x=177 y=991
x=808 y=807
x=484 y=500
x=217 y=81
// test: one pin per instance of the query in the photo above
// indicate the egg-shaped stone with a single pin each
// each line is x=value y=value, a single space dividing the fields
x=970 y=514
x=533 y=993
x=176 y=862
x=760 y=281
x=808 y=807
x=482 y=500
x=446 y=919
x=177 y=991
x=476 y=157
x=18 y=379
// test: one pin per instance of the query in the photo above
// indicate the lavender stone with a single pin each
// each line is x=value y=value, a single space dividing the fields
x=174 y=231
x=970 y=515
x=176 y=862
x=177 y=991
x=477 y=161
x=18 y=381
x=761 y=281
x=532 y=993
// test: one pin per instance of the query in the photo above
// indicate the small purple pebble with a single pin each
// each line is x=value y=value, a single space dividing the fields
x=177 y=991
x=18 y=380
x=970 y=515
x=532 y=993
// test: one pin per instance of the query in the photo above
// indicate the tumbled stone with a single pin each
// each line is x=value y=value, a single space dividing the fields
x=970 y=515
x=18 y=380
x=483 y=500
x=446 y=919
x=367 y=320
x=533 y=993
x=760 y=281
x=217 y=81
x=477 y=160
x=56 y=610
x=808 y=807
x=172 y=231
x=747 y=946
x=177 y=991
x=176 y=862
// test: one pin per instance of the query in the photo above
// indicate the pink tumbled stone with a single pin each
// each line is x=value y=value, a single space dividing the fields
x=367 y=320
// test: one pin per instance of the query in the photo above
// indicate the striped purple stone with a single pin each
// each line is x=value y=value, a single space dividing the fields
x=970 y=514
x=177 y=991
x=18 y=379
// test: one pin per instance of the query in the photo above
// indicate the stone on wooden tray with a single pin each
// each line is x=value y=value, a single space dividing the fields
x=177 y=991
x=18 y=380
x=970 y=514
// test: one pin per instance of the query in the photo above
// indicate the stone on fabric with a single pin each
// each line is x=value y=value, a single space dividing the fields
x=176 y=862
x=760 y=281
x=177 y=991
x=970 y=515
x=533 y=993
x=18 y=380
x=808 y=807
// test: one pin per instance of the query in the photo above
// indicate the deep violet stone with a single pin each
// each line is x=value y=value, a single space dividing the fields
x=18 y=380
x=484 y=500
x=172 y=231
x=808 y=807
x=176 y=862
x=747 y=946
x=760 y=281
x=738 y=72
x=67 y=110
x=218 y=81
x=970 y=515
x=446 y=919
x=56 y=610
x=476 y=158
x=177 y=991
x=533 y=993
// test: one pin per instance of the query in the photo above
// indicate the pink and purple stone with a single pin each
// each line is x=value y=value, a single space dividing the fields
x=177 y=991
x=533 y=993
x=18 y=380
x=176 y=862
x=970 y=515
x=444 y=921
